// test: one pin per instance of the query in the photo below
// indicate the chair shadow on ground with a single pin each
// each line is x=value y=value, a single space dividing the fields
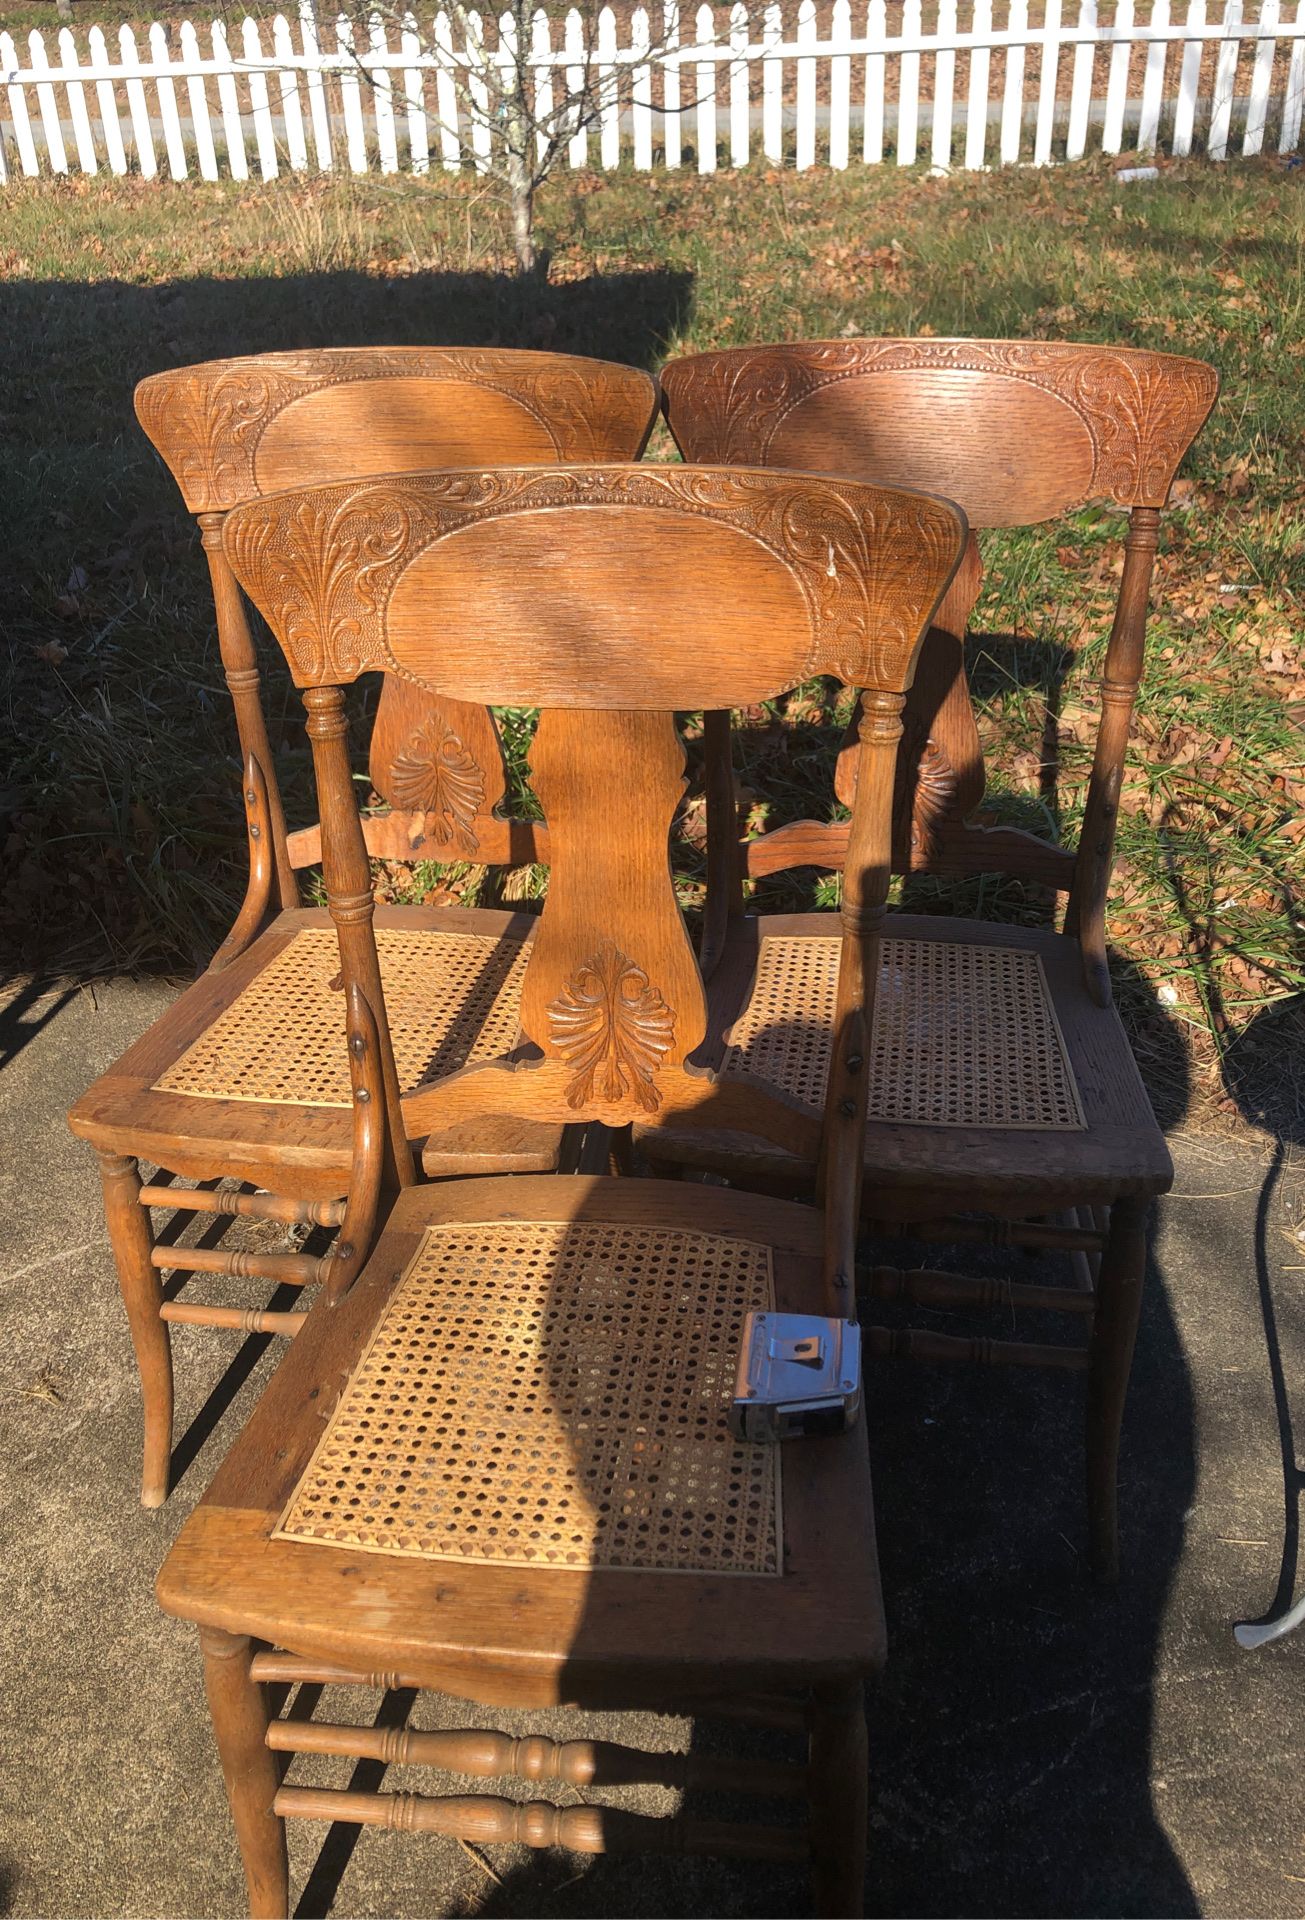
x=1010 y=1736
x=199 y=1231
x=1013 y=1726
x=1259 y=1070
x=23 y=1015
x=1264 y=1074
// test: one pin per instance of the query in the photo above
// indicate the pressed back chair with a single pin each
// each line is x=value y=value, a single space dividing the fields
x=501 y=1469
x=243 y=1076
x=1004 y=1087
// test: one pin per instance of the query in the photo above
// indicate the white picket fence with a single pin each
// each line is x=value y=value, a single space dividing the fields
x=315 y=97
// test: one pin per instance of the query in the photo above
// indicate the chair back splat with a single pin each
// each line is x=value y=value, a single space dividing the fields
x=233 y=430
x=1017 y=431
x=587 y=592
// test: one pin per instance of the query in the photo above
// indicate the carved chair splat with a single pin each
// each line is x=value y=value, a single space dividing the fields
x=1025 y=1097
x=609 y=1545
x=243 y=1076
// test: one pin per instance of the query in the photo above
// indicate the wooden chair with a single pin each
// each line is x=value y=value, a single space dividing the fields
x=244 y=1076
x=500 y=1468
x=1003 y=1090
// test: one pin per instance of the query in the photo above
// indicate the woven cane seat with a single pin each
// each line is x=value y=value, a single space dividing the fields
x=452 y=999
x=553 y=1393
x=549 y=1358
x=963 y=1035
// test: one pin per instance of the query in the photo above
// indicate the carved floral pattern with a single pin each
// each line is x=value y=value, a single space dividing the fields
x=1141 y=409
x=435 y=776
x=323 y=567
x=933 y=798
x=208 y=421
x=614 y=1028
x=322 y=563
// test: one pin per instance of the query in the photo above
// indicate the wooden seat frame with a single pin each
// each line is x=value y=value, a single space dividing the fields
x=791 y=575
x=1018 y=432
x=231 y=430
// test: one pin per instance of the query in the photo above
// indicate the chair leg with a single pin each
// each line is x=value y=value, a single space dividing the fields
x=131 y=1238
x=840 y=1787
x=240 y=1721
x=1114 y=1330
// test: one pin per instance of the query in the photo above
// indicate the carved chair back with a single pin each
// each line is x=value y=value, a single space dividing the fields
x=609 y=597
x=1017 y=432
x=233 y=430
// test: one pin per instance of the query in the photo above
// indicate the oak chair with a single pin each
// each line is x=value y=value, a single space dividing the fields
x=1005 y=1104
x=244 y=1076
x=501 y=1468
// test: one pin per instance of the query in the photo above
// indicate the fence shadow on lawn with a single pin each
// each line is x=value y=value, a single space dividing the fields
x=112 y=678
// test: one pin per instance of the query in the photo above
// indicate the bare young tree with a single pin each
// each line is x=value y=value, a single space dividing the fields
x=528 y=100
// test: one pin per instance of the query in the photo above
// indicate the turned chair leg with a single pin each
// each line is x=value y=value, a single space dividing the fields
x=131 y=1237
x=240 y=1721
x=1114 y=1330
x=840 y=1790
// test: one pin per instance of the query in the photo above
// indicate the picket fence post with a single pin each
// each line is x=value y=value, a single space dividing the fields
x=944 y=88
x=641 y=89
x=976 y=111
x=1225 y=80
x=740 y=70
x=772 y=85
x=153 y=101
x=807 y=36
x=1257 y=107
x=1294 y=94
x=872 y=132
x=1012 y=101
x=81 y=119
x=705 y=87
x=1080 y=86
x=318 y=112
x=908 y=82
x=609 y=99
x=414 y=97
x=446 y=95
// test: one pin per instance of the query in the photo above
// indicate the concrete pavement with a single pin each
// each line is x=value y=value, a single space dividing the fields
x=1037 y=1747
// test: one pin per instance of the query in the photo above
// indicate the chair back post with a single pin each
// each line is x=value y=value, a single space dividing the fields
x=367 y=1170
x=347 y=873
x=258 y=893
x=243 y=678
x=724 y=901
x=940 y=771
x=866 y=879
x=1086 y=912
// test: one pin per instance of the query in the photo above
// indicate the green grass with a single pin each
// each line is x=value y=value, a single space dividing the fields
x=122 y=829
